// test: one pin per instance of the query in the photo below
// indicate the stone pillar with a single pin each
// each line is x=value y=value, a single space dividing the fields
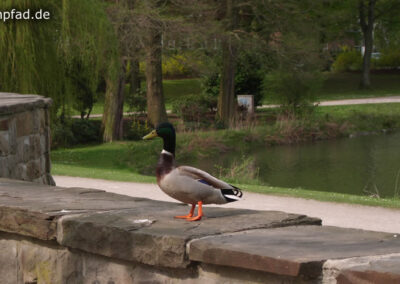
x=25 y=138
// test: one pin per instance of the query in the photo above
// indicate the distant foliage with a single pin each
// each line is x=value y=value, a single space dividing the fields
x=137 y=101
x=352 y=60
x=63 y=58
x=194 y=108
x=137 y=129
x=295 y=91
x=390 y=58
x=348 y=61
x=75 y=131
x=248 y=78
x=210 y=84
x=176 y=66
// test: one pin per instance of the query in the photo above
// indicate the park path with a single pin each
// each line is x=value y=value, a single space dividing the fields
x=332 y=214
x=379 y=100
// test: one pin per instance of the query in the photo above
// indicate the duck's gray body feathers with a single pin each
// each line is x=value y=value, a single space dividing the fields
x=191 y=185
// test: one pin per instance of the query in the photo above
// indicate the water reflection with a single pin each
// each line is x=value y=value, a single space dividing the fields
x=366 y=165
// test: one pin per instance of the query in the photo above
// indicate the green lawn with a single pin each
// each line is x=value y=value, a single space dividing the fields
x=346 y=86
x=174 y=89
x=339 y=86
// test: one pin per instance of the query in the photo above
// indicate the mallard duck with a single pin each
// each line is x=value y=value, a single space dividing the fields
x=188 y=184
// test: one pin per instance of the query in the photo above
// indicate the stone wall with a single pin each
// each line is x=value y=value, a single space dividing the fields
x=25 y=138
x=79 y=235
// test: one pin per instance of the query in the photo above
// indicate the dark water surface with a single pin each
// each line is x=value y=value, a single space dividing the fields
x=362 y=165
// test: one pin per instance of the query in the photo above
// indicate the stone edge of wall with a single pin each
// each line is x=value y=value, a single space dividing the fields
x=18 y=103
x=139 y=231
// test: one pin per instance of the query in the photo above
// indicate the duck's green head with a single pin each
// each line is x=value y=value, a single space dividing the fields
x=166 y=131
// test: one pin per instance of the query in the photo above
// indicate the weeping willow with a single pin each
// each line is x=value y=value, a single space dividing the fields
x=63 y=58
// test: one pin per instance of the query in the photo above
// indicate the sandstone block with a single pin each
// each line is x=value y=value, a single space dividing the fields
x=42 y=121
x=24 y=123
x=3 y=124
x=4 y=172
x=35 y=148
x=291 y=251
x=33 y=169
x=4 y=143
x=21 y=171
x=8 y=262
x=12 y=130
x=367 y=269
x=11 y=165
x=148 y=233
x=36 y=120
x=23 y=149
x=43 y=144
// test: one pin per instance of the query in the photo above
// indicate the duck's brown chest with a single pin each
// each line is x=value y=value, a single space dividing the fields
x=165 y=165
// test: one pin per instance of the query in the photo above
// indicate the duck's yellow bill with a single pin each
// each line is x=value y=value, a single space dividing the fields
x=150 y=135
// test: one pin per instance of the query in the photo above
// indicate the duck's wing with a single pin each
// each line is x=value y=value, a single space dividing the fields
x=203 y=176
x=230 y=192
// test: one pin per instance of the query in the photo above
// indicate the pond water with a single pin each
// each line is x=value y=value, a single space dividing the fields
x=362 y=165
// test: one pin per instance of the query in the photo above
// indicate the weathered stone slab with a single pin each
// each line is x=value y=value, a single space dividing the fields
x=134 y=229
x=149 y=234
x=368 y=269
x=13 y=103
x=291 y=251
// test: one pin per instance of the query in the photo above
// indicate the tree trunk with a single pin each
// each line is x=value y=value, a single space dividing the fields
x=113 y=107
x=156 y=112
x=226 y=98
x=134 y=77
x=367 y=27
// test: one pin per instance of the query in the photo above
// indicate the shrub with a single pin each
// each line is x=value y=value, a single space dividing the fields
x=390 y=58
x=86 y=131
x=295 y=91
x=75 y=131
x=193 y=108
x=137 y=129
x=61 y=135
x=348 y=61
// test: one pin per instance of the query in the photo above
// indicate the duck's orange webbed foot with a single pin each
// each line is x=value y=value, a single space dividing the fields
x=199 y=213
x=188 y=216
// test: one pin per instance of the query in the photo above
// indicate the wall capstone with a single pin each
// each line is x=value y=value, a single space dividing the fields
x=25 y=138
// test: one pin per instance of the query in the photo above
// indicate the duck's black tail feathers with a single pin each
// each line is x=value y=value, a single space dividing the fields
x=232 y=194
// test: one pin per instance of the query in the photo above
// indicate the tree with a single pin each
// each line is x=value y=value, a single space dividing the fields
x=367 y=20
x=226 y=98
x=120 y=14
x=156 y=111
x=62 y=58
x=370 y=12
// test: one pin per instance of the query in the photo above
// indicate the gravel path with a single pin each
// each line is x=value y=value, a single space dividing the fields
x=380 y=100
x=334 y=214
